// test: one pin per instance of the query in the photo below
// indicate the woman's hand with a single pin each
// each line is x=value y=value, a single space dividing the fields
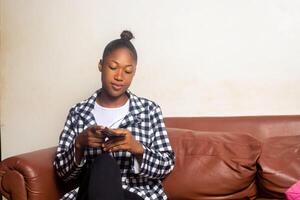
x=128 y=143
x=90 y=137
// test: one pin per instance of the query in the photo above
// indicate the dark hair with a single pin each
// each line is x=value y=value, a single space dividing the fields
x=123 y=42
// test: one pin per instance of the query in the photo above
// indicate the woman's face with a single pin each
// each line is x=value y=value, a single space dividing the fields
x=118 y=69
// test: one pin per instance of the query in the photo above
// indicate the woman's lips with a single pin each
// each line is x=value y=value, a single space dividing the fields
x=117 y=86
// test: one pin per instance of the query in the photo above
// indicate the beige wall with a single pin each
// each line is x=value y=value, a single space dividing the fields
x=196 y=58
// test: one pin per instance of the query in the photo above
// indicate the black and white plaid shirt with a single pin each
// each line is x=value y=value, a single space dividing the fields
x=145 y=122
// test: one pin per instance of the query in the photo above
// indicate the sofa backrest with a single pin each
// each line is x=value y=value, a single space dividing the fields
x=261 y=127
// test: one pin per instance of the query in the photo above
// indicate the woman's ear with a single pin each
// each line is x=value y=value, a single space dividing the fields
x=100 y=65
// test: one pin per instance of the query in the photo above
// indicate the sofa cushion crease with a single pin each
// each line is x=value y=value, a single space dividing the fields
x=279 y=165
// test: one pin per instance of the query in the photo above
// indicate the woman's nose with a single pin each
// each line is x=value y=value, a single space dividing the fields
x=119 y=75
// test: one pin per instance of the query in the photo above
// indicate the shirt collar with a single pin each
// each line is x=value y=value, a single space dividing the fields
x=135 y=105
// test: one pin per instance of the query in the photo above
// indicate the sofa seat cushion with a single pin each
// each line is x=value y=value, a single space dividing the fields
x=212 y=165
x=279 y=165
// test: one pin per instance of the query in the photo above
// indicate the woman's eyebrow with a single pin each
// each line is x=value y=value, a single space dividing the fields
x=116 y=62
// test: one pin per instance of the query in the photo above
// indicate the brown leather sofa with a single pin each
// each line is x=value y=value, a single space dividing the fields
x=255 y=157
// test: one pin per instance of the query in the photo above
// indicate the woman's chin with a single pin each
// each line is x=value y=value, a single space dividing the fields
x=116 y=94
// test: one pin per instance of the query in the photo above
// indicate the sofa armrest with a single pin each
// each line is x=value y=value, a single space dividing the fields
x=31 y=176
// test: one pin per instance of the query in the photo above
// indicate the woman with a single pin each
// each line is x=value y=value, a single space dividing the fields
x=130 y=166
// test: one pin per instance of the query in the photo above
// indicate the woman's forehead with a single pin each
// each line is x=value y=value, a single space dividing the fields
x=121 y=56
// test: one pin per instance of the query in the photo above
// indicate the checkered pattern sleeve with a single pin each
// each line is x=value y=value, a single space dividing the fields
x=158 y=159
x=64 y=162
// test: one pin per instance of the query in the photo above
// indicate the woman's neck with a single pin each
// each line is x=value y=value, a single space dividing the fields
x=111 y=102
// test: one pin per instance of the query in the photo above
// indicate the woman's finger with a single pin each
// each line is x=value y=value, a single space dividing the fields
x=121 y=131
x=94 y=145
x=111 y=143
x=95 y=140
x=115 y=146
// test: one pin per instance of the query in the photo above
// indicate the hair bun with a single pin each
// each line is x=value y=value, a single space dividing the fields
x=126 y=35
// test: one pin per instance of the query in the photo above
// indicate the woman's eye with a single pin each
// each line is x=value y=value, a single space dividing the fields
x=128 y=70
x=112 y=67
